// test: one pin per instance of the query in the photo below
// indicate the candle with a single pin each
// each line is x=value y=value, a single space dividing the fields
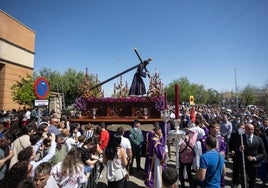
x=177 y=115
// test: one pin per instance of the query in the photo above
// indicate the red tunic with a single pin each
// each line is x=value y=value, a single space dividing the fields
x=104 y=139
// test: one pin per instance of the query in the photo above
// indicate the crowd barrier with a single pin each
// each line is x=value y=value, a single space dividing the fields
x=94 y=177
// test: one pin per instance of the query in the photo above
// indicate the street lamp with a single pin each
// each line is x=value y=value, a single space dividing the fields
x=236 y=89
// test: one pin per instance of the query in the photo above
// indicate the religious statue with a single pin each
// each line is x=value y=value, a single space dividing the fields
x=138 y=87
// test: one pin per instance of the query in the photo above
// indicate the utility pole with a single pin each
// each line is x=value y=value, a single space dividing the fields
x=236 y=89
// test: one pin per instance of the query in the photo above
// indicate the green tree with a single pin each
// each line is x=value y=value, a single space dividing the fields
x=248 y=95
x=185 y=90
x=66 y=83
x=23 y=91
x=213 y=97
x=199 y=93
x=265 y=93
x=53 y=77
x=69 y=84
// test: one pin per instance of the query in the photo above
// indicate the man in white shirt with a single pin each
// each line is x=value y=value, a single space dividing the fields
x=226 y=129
x=125 y=143
x=27 y=115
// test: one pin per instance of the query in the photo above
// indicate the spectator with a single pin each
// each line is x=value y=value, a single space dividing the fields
x=69 y=140
x=264 y=163
x=2 y=129
x=4 y=158
x=125 y=143
x=103 y=136
x=27 y=183
x=226 y=129
x=89 y=130
x=170 y=178
x=26 y=116
x=254 y=151
x=81 y=140
x=53 y=127
x=29 y=154
x=115 y=158
x=16 y=174
x=214 y=131
x=61 y=149
x=42 y=129
x=42 y=176
x=75 y=131
x=70 y=172
x=136 y=140
x=22 y=142
x=186 y=156
x=211 y=165
x=88 y=154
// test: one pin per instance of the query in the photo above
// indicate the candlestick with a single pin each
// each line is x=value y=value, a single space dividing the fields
x=177 y=115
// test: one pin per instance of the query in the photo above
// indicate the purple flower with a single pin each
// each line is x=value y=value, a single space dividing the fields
x=83 y=104
x=159 y=103
x=80 y=104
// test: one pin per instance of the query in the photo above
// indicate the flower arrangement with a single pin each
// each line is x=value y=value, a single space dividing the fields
x=80 y=104
x=160 y=103
x=83 y=104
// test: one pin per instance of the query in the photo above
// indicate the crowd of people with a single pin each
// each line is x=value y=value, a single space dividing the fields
x=59 y=153
x=231 y=129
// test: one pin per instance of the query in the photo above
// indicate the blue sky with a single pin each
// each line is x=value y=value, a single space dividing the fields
x=204 y=41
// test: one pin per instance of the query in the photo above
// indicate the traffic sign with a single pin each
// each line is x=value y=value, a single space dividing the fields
x=41 y=88
x=40 y=102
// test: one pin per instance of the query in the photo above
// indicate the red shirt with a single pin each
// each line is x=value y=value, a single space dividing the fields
x=104 y=139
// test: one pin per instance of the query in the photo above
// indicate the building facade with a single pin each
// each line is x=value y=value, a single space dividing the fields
x=17 y=49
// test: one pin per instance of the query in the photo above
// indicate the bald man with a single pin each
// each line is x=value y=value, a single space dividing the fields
x=254 y=152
